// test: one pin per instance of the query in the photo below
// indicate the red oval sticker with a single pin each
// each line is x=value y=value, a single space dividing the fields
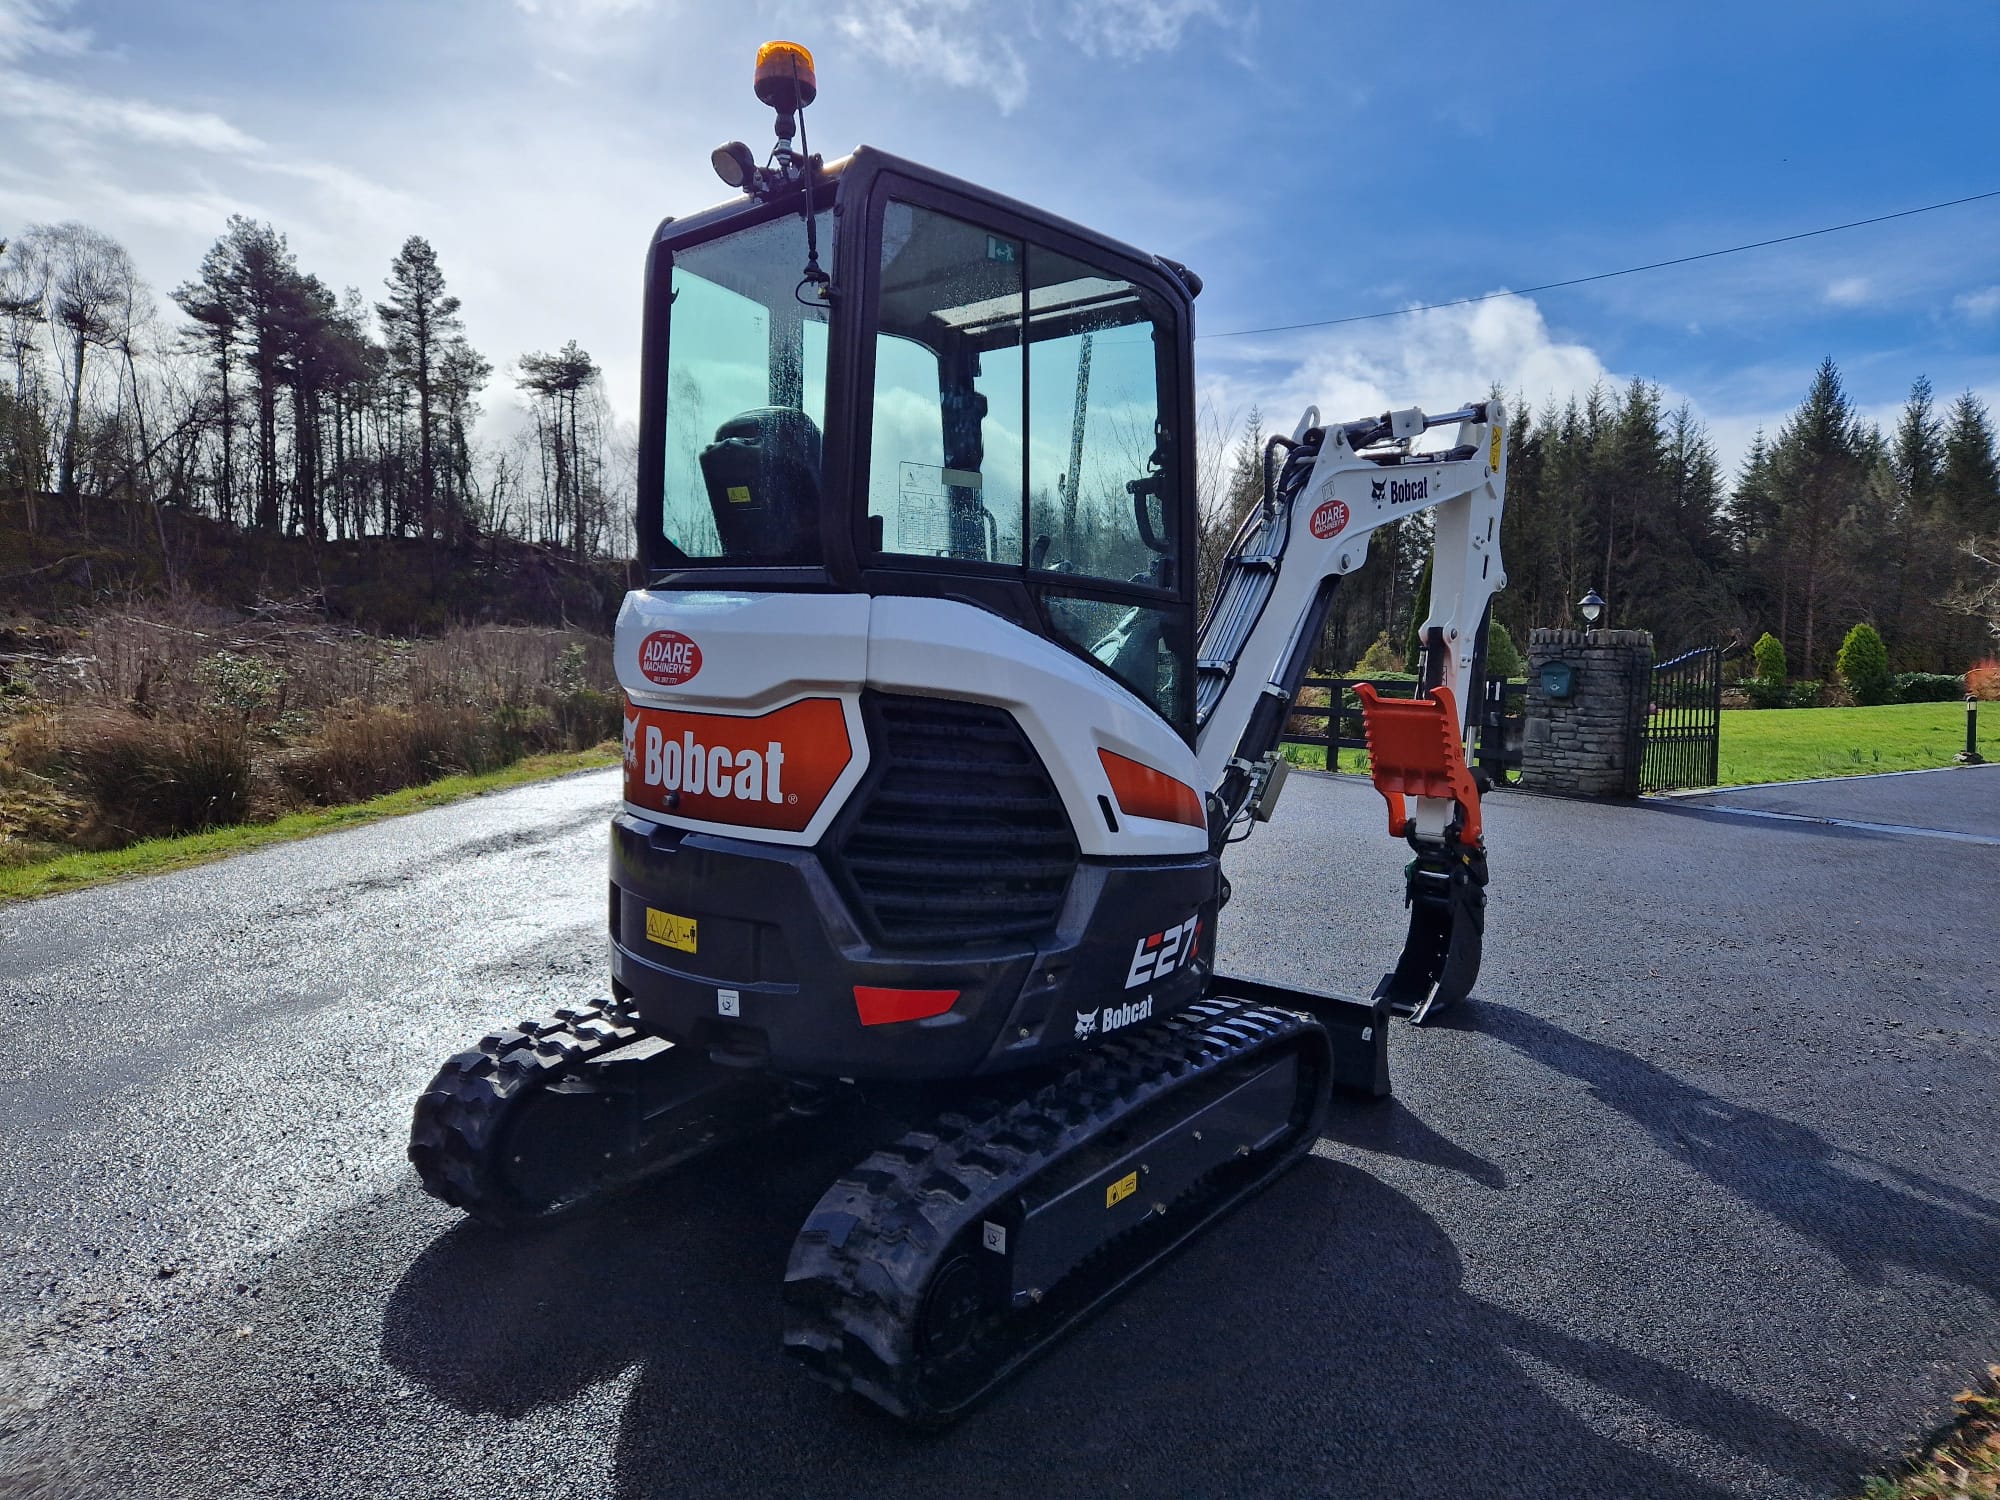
x=1329 y=520
x=668 y=658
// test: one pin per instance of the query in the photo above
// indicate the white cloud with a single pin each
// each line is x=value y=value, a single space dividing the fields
x=1849 y=291
x=1436 y=360
x=585 y=11
x=1129 y=29
x=1978 y=306
x=971 y=43
x=31 y=26
x=68 y=109
x=944 y=39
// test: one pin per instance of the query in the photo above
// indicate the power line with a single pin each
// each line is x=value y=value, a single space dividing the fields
x=1549 y=286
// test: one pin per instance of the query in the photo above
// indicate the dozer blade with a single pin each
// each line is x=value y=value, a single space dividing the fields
x=948 y=1259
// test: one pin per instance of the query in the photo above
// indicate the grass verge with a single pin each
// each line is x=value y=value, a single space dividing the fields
x=1798 y=744
x=1961 y=1463
x=68 y=872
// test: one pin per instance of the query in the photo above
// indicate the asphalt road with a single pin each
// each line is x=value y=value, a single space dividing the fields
x=1698 y=1198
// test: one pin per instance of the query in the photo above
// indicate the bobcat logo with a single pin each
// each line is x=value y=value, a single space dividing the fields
x=1377 y=488
x=631 y=741
x=1086 y=1024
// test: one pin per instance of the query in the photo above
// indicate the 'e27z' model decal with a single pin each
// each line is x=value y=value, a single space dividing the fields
x=1158 y=956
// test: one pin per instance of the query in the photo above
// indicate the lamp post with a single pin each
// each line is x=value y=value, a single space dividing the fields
x=1592 y=606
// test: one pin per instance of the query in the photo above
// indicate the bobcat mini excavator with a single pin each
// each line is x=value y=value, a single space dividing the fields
x=929 y=770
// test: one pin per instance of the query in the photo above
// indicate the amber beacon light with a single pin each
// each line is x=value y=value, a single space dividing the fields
x=785 y=79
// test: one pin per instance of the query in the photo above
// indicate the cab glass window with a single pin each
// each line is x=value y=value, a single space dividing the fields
x=746 y=399
x=944 y=472
x=1018 y=423
x=1095 y=459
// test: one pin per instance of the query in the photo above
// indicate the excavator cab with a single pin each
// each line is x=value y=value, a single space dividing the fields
x=980 y=401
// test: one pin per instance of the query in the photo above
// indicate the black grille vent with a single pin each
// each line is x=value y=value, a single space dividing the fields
x=961 y=836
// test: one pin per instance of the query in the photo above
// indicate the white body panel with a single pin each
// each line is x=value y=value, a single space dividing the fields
x=1068 y=709
x=757 y=650
x=762 y=651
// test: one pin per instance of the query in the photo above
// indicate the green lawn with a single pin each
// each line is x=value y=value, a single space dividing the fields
x=1797 y=744
x=68 y=872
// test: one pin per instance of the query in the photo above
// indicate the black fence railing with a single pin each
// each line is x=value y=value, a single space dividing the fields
x=1497 y=743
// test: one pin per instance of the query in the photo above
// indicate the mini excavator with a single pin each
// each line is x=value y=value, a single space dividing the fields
x=929 y=767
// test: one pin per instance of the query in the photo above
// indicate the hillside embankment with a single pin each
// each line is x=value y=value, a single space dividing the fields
x=162 y=673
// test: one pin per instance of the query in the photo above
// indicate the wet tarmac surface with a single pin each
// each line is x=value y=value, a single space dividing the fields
x=1963 y=800
x=1699 y=1196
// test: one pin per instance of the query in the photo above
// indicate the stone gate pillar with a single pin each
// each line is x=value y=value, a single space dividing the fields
x=1585 y=731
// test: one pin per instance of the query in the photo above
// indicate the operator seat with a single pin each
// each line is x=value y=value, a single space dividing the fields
x=762 y=473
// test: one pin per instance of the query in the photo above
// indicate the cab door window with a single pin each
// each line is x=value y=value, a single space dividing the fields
x=1096 y=503
x=944 y=472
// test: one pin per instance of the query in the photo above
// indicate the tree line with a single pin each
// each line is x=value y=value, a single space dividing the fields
x=1827 y=522
x=265 y=400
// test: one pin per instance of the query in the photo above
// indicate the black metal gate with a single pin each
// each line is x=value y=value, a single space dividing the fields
x=1684 y=722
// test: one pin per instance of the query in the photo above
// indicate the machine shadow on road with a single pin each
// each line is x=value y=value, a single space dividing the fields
x=1322 y=1331
x=1779 y=1166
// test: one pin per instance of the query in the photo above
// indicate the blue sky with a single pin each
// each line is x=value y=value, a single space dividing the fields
x=1308 y=160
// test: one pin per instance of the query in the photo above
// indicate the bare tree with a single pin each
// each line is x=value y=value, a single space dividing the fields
x=87 y=284
x=23 y=442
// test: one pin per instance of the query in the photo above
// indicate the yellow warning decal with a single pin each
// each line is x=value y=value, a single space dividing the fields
x=739 y=494
x=1493 y=456
x=1122 y=1189
x=665 y=928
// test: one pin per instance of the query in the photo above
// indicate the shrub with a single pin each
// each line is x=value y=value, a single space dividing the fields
x=1768 y=692
x=1380 y=657
x=1863 y=664
x=585 y=717
x=148 y=778
x=1808 y=694
x=1503 y=657
x=1928 y=687
x=1770 y=654
x=1983 y=681
x=368 y=750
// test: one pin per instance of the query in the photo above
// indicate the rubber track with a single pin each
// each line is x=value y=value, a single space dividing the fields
x=455 y=1129
x=863 y=1264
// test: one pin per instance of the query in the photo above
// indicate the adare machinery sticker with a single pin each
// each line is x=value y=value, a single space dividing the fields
x=771 y=771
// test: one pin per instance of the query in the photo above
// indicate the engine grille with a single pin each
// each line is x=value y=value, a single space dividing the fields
x=960 y=835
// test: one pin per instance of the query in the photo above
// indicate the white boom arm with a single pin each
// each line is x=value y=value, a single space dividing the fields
x=1337 y=485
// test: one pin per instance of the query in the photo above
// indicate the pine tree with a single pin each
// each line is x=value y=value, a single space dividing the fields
x=1968 y=486
x=208 y=302
x=1819 y=472
x=1919 y=451
x=420 y=320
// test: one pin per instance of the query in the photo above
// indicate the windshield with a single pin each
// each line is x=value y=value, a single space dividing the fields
x=746 y=399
